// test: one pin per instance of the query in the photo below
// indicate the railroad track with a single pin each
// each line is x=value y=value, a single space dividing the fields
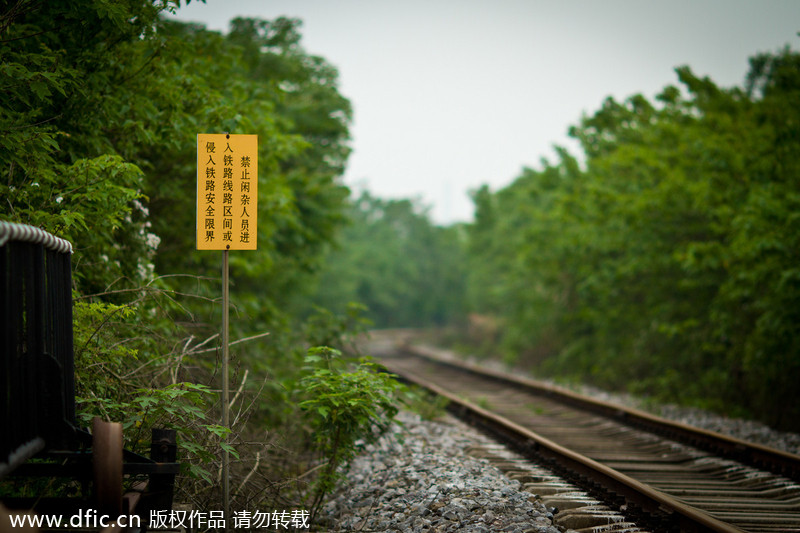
x=671 y=476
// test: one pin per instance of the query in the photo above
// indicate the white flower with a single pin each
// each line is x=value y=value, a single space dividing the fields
x=145 y=270
x=138 y=205
x=59 y=199
x=153 y=240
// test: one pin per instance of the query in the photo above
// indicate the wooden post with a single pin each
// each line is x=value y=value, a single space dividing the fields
x=107 y=466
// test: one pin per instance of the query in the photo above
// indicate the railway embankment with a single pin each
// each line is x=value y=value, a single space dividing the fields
x=434 y=485
x=424 y=476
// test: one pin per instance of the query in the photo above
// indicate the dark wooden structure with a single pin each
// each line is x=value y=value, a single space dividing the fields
x=37 y=393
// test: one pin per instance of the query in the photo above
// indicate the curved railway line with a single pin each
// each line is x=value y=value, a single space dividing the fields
x=673 y=477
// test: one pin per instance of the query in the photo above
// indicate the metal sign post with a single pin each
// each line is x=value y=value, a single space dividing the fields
x=226 y=493
x=227 y=196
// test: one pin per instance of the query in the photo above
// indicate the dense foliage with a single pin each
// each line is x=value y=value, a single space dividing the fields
x=392 y=259
x=102 y=102
x=668 y=263
x=664 y=261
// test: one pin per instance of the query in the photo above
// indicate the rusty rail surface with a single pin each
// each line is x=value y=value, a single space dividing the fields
x=639 y=460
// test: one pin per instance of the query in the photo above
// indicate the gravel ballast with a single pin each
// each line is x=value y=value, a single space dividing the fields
x=418 y=477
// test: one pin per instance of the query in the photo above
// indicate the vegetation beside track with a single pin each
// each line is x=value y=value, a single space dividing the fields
x=666 y=261
x=667 y=248
x=661 y=259
x=102 y=102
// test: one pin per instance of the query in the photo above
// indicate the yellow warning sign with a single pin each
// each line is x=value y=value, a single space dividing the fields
x=227 y=191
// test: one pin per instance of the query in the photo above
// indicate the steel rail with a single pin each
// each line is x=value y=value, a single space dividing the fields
x=752 y=454
x=653 y=502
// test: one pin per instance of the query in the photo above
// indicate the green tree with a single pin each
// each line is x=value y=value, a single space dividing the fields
x=71 y=121
x=392 y=259
x=670 y=254
x=102 y=101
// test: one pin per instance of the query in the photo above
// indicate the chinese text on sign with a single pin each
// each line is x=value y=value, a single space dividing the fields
x=227 y=191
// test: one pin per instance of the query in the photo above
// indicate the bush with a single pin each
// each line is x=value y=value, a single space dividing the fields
x=345 y=409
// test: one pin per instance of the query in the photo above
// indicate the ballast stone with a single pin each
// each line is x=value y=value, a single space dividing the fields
x=419 y=478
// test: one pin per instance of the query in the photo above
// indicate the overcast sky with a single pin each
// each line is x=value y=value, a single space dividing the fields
x=452 y=94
